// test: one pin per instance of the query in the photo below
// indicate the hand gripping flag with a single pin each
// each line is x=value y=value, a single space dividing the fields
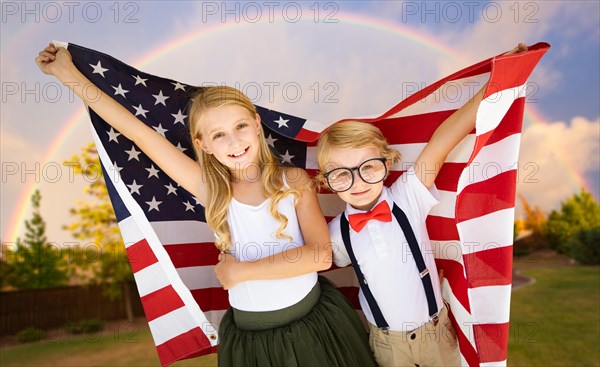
x=171 y=249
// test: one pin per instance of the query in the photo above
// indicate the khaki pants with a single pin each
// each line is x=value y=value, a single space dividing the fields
x=429 y=345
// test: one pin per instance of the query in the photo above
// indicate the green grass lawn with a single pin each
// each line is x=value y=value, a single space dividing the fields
x=556 y=320
x=133 y=347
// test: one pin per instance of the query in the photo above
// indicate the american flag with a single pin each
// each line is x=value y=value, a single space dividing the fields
x=171 y=249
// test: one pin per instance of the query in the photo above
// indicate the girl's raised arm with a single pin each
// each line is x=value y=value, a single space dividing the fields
x=181 y=168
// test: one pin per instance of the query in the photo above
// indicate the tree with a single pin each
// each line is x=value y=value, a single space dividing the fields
x=6 y=269
x=105 y=257
x=580 y=212
x=531 y=229
x=585 y=246
x=534 y=217
x=34 y=263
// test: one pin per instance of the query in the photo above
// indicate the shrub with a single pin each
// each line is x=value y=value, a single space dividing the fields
x=580 y=212
x=84 y=326
x=585 y=246
x=529 y=244
x=30 y=334
x=92 y=325
x=73 y=327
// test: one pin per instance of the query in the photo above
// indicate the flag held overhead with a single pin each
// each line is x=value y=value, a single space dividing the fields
x=171 y=249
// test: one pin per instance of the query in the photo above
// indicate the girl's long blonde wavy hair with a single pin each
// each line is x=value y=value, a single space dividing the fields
x=218 y=175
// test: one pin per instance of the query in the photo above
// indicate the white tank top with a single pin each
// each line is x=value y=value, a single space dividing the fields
x=253 y=231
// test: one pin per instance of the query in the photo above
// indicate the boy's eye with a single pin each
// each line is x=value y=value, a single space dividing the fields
x=342 y=174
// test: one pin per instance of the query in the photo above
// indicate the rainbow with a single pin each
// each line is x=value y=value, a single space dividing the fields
x=532 y=115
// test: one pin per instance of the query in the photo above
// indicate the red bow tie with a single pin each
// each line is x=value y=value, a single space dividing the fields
x=380 y=212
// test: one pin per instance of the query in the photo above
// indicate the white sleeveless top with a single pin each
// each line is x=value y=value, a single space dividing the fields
x=253 y=230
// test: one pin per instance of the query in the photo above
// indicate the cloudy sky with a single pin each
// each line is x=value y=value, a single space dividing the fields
x=348 y=59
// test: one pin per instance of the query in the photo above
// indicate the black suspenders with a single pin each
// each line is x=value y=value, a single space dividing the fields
x=379 y=319
x=418 y=256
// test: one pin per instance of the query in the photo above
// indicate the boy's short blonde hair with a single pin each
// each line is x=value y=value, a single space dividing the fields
x=354 y=135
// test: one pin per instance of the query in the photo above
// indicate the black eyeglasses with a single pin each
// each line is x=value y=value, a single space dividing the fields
x=370 y=171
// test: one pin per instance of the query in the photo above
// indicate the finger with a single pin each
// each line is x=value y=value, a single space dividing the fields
x=41 y=59
x=47 y=54
x=49 y=49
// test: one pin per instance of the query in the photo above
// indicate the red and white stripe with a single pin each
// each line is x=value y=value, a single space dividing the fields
x=471 y=229
x=182 y=325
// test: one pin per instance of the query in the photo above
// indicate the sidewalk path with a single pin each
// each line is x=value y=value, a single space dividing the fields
x=519 y=280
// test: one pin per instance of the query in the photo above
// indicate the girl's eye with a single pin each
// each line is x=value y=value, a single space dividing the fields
x=242 y=125
x=217 y=135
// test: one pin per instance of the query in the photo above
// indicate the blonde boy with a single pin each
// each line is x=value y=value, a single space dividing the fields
x=411 y=326
x=391 y=254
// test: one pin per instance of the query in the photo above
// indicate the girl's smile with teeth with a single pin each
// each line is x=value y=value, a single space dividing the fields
x=235 y=155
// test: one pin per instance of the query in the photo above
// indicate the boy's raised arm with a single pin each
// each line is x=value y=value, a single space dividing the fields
x=445 y=138
x=449 y=134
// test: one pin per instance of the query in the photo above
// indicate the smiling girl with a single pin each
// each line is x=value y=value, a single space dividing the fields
x=282 y=313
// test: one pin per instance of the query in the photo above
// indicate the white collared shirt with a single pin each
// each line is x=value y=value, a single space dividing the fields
x=385 y=259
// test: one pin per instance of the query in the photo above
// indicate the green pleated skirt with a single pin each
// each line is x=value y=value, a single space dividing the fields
x=321 y=330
